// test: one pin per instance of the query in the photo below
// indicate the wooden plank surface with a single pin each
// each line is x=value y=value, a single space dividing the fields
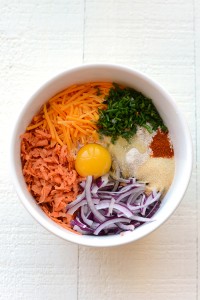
x=197 y=117
x=38 y=39
x=156 y=37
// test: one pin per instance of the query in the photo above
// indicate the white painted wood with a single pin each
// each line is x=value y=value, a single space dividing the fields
x=41 y=38
x=156 y=37
x=197 y=82
x=37 y=40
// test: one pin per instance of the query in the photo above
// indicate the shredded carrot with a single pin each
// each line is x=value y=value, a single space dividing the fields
x=50 y=175
x=71 y=115
x=35 y=126
x=49 y=145
x=51 y=127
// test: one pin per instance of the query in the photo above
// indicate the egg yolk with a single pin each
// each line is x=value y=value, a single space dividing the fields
x=94 y=160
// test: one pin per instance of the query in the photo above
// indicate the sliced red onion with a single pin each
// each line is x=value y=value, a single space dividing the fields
x=124 y=180
x=82 y=184
x=84 y=217
x=143 y=201
x=133 y=200
x=136 y=193
x=104 y=200
x=119 y=207
x=136 y=224
x=111 y=206
x=150 y=213
x=72 y=210
x=90 y=202
x=95 y=225
x=151 y=201
x=128 y=193
x=120 y=191
x=78 y=222
x=126 y=227
x=108 y=197
x=107 y=188
x=102 y=181
x=78 y=229
x=153 y=210
x=111 y=226
x=141 y=219
x=121 y=214
x=105 y=224
x=78 y=199
x=94 y=189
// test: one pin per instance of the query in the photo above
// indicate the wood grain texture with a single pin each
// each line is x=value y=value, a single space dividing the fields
x=197 y=81
x=156 y=37
x=41 y=38
x=37 y=40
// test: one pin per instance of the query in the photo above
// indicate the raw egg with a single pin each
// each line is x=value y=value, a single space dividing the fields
x=94 y=160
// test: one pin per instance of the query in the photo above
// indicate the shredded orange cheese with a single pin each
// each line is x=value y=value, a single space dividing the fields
x=71 y=115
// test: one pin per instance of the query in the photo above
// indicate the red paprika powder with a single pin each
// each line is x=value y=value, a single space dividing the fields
x=161 y=145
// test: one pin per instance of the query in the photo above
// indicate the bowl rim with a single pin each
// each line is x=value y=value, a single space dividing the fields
x=53 y=227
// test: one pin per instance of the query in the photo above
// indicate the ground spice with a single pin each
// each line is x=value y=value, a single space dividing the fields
x=161 y=145
x=158 y=172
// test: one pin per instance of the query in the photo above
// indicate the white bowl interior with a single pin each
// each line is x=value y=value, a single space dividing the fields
x=169 y=112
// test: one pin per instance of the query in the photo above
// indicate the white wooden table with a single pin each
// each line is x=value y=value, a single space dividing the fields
x=38 y=39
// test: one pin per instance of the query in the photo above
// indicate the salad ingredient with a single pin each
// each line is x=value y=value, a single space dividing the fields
x=71 y=115
x=161 y=145
x=114 y=221
x=93 y=159
x=49 y=174
x=90 y=202
x=105 y=210
x=127 y=108
x=80 y=135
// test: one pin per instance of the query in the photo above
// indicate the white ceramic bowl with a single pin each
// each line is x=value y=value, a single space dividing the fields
x=168 y=110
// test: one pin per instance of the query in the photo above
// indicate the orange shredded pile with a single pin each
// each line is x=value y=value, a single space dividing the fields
x=48 y=147
x=49 y=174
x=70 y=116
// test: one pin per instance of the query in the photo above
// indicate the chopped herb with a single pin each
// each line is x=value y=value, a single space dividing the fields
x=126 y=110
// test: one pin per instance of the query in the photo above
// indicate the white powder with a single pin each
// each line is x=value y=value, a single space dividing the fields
x=131 y=155
x=158 y=172
x=144 y=136
x=134 y=159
